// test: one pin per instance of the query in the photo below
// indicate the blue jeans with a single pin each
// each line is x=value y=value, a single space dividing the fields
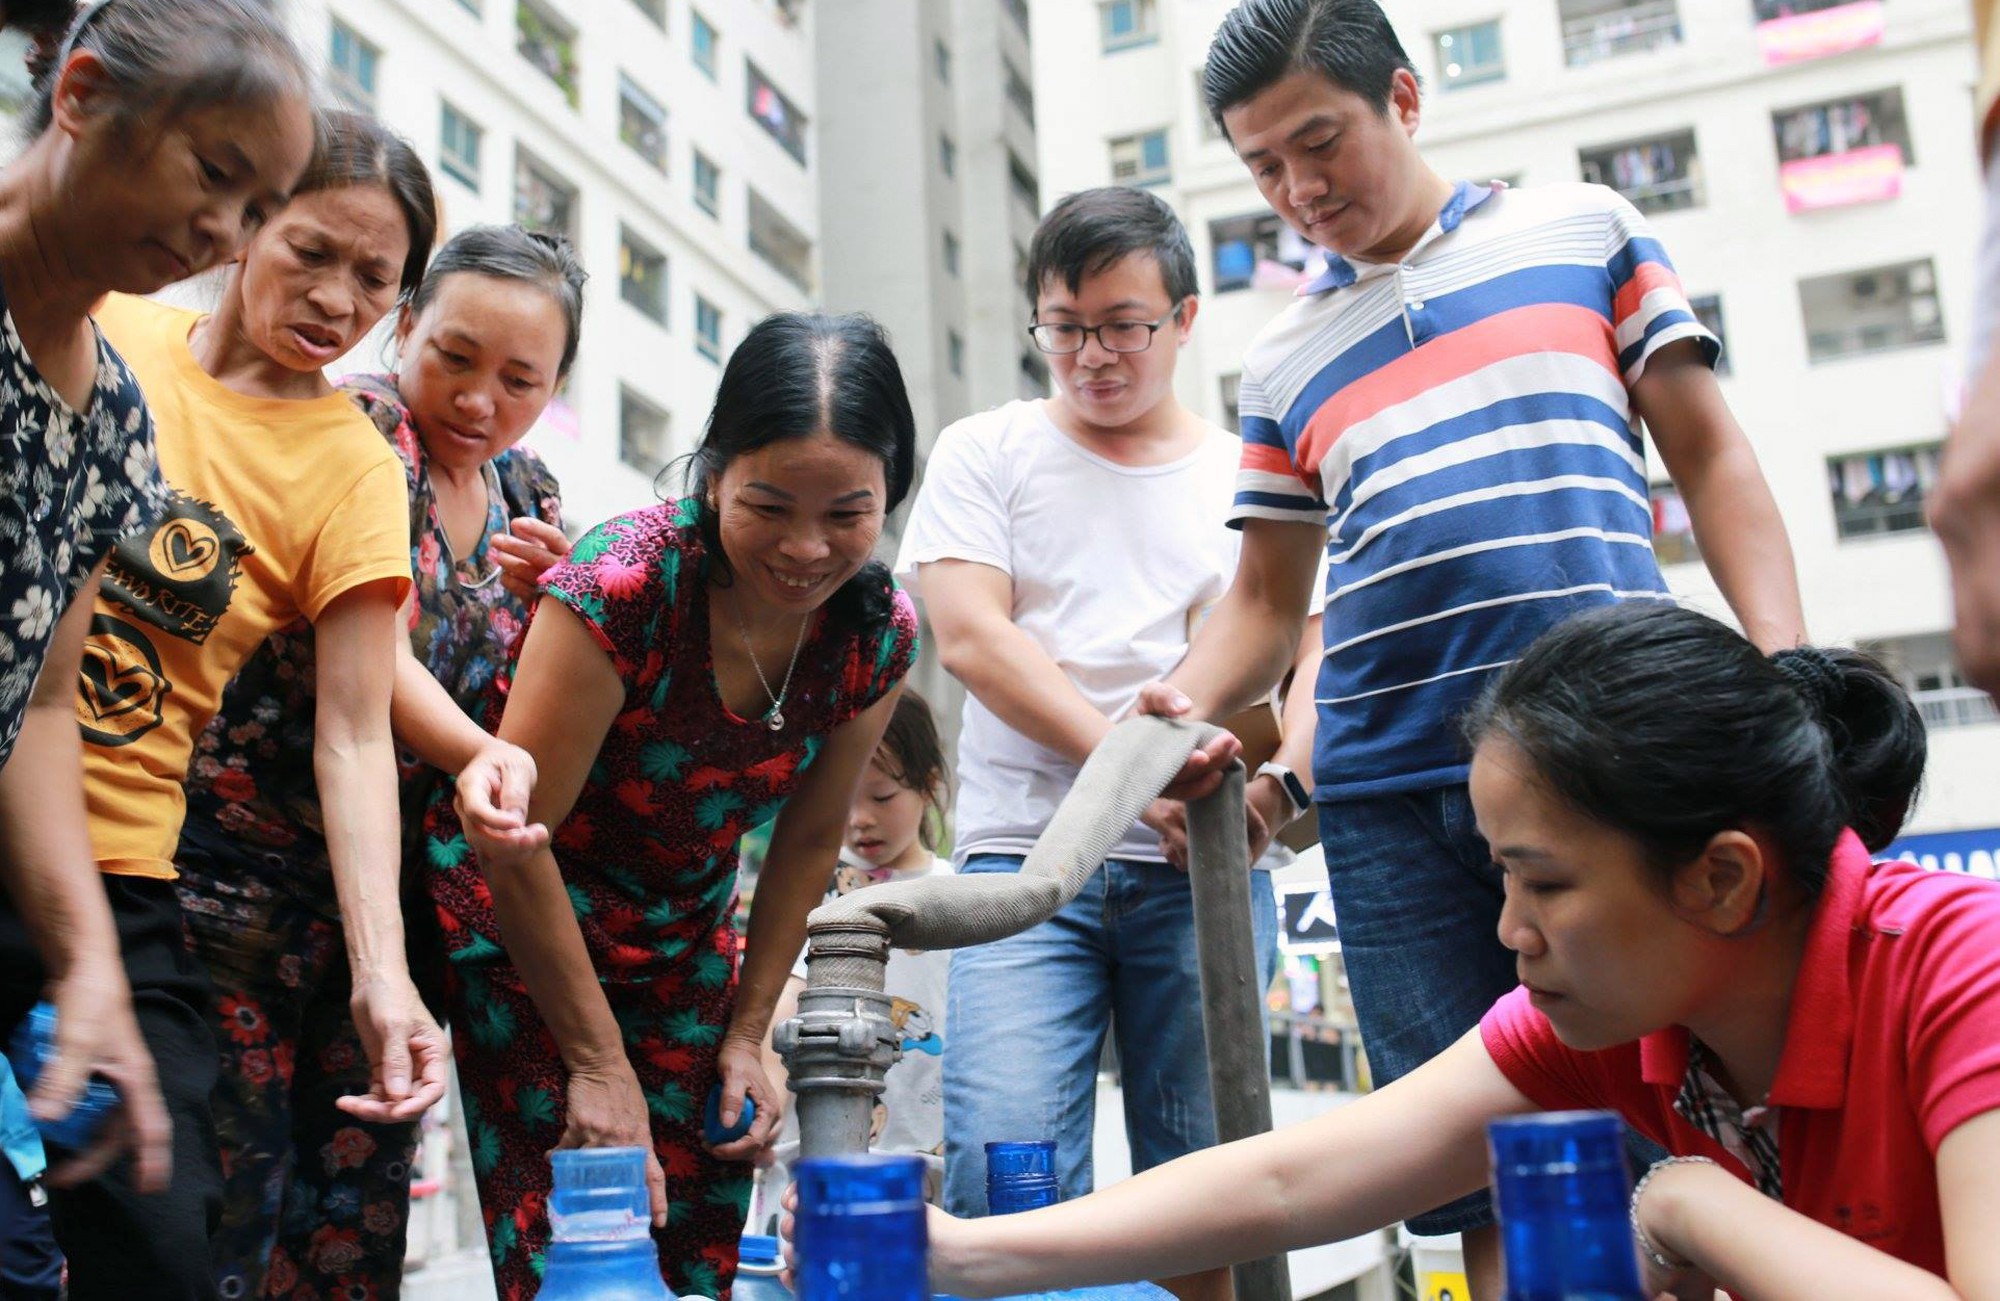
x=1417 y=899
x=1028 y=1017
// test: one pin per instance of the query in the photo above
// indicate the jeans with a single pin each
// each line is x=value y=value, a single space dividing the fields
x=1028 y=1017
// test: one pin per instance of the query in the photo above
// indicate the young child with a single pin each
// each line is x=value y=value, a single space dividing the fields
x=893 y=833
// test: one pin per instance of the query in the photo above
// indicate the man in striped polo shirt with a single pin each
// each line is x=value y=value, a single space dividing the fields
x=1451 y=409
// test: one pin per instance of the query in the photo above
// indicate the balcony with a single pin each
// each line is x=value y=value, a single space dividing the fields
x=776 y=113
x=1594 y=30
x=1257 y=252
x=784 y=248
x=1881 y=309
x=1877 y=493
x=1661 y=174
x=550 y=44
x=1843 y=151
x=1956 y=707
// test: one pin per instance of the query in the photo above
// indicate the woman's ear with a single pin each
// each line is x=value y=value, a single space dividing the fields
x=1724 y=888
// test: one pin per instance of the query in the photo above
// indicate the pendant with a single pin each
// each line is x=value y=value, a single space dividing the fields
x=775 y=720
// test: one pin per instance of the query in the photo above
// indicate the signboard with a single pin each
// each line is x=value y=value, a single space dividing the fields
x=1305 y=914
x=1797 y=37
x=1975 y=853
x=1837 y=180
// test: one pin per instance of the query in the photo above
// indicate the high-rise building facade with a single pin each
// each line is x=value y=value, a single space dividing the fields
x=1810 y=168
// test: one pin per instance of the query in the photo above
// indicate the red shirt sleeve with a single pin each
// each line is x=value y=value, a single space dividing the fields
x=1524 y=1046
x=1954 y=1007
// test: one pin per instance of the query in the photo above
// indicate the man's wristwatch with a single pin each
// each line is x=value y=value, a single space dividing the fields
x=1288 y=782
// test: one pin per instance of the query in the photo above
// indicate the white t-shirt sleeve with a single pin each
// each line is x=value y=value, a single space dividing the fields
x=959 y=513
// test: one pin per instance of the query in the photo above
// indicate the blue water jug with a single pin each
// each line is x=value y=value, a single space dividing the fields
x=860 y=1231
x=1561 y=1187
x=1020 y=1177
x=600 y=1217
x=34 y=1047
x=758 y=1266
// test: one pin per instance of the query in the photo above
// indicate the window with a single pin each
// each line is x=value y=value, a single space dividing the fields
x=1882 y=492
x=642 y=434
x=701 y=43
x=642 y=123
x=784 y=248
x=707 y=328
x=941 y=60
x=549 y=43
x=655 y=10
x=775 y=113
x=1021 y=179
x=707 y=184
x=543 y=200
x=1877 y=310
x=470 y=6
x=1140 y=159
x=642 y=276
x=1018 y=11
x=1019 y=93
x=352 y=66
x=458 y=147
x=954 y=344
x=1662 y=174
x=1603 y=29
x=1259 y=251
x=950 y=253
x=1034 y=374
x=1673 y=528
x=1765 y=11
x=1128 y=23
x=1232 y=404
x=1928 y=669
x=1841 y=126
x=1469 y=55
x=947 y=155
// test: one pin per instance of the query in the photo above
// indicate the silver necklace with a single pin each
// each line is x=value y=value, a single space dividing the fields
x=774 y=718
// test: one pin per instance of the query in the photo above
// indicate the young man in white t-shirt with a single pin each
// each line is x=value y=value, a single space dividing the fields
x=1064 y=549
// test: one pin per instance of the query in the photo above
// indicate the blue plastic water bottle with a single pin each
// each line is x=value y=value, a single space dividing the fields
x=34 y=1047
x=601 y=1216
x=757 y=1270
x=1020 y=1177
x=860 y=1229
x=1561 y=1186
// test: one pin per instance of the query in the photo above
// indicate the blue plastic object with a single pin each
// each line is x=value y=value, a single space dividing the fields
x=1020 y=1177
x=757 y=1268
x=600 y=1217
x=1562 y=1187
x=711 y=1119
x=860 y=1229
x=34 y=1047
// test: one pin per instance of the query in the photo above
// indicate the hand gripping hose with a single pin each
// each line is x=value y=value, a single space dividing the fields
x=842 y=1042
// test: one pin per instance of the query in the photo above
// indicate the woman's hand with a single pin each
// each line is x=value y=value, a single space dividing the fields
x=404 y=1044
x=97 y=1034
x=525 y=552
x=492 y=793
x=607 y=1108
x=740 y=1066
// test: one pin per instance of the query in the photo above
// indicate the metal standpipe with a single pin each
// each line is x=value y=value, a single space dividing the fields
x=842 y=1042
x=1232 y=1000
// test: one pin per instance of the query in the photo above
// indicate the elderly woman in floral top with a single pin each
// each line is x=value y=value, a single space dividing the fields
x=483 y=345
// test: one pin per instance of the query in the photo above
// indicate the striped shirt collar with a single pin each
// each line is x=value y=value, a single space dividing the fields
x=1341 y=272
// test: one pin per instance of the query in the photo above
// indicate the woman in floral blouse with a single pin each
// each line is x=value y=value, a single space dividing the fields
x=696 y=669
x=483 y=345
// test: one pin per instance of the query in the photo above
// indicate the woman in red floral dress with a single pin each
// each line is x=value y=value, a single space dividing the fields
x=694 y=670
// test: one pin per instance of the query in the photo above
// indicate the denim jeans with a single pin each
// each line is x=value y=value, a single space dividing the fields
x=1028 y=1016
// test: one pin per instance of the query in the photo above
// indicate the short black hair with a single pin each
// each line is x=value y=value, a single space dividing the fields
x=1092 y=230
x=1261 y=42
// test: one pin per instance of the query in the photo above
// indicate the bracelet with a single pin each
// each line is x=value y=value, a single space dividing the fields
x=1639 y=1190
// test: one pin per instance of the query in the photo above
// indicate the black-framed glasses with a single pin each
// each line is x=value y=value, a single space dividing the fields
x=1062 y=338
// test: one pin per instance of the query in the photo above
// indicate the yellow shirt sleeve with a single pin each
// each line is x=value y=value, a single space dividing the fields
x=366 y=538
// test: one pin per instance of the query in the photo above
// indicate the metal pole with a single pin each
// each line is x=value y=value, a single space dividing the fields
x=1232 y=1002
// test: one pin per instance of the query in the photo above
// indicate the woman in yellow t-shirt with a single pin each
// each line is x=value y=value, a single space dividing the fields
x=283 y=501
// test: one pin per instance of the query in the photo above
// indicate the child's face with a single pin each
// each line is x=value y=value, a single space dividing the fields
x=882 y=826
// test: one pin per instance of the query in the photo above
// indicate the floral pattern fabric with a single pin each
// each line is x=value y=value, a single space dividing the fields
x=649 y=856
x=315 y=1203
x=71 y=484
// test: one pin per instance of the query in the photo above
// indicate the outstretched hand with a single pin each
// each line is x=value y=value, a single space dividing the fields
x=1204 y=769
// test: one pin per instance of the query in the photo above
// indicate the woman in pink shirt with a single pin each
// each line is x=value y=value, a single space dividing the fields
x=1705 y=946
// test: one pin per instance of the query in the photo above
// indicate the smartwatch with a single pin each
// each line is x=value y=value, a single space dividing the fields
x=1289 y=783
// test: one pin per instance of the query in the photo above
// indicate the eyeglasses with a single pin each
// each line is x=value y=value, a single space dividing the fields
x=1062 y=338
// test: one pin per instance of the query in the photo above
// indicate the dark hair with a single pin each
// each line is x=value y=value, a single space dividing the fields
x=796 y=374
x=39 y=18
x=511 y=253
x=911 y=753
x=355 y=149
x=1671 y=727
x=1261 y=42
x=1092 y=230
x=175 y=55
